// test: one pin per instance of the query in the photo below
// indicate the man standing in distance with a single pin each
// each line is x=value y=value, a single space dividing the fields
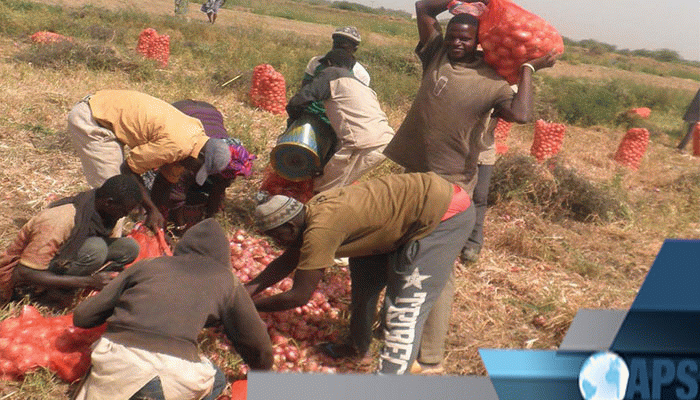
x=344 y=38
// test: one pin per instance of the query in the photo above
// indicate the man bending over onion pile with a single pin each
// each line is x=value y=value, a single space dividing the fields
x=400 y=232
x=157 y=135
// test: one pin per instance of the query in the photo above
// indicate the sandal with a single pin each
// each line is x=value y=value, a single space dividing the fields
x=338 y=350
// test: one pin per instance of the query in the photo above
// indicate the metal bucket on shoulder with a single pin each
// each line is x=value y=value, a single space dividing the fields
x=303 y=149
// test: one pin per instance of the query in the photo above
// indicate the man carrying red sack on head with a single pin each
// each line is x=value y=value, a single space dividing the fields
x=443 y=130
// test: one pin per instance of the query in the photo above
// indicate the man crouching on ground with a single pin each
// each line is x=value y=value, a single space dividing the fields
x=71 y=245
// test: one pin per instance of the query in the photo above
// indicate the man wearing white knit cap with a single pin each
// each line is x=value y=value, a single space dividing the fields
x=399 y=231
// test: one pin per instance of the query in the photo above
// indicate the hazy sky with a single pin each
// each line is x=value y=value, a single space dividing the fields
x=626 y=24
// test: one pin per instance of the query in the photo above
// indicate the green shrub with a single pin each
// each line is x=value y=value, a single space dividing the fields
x=350 y=6
x=580 y=102
x=599 y=46
x=586 y=102
x=666 y=55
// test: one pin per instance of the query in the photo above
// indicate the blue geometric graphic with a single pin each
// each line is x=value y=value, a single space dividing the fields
x=533 y=374
x=665 y=315
x=658 y=344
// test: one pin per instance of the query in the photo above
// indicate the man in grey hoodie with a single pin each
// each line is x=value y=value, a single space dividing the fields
x=154 y=312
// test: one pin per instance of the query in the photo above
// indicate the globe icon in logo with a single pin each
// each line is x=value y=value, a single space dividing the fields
x=603 y=376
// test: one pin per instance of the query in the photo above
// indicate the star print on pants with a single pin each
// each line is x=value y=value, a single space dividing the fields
x=415 y=279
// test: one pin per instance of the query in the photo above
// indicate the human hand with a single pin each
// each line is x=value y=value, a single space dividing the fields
x=155 y=220
x=475 y=8
x=544 y=61
x=101 y=279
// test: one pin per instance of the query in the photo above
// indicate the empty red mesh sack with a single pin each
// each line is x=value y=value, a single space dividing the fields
x=500 y=134
x=154 y=46
x=511 y=36
x=150 y=244
x=274 y=184
x=44 y=37
x=632 y=147
x=32 y=341
x=268 y=89
x=547 y=140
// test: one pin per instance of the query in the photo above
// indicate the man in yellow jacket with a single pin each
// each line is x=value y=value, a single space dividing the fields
x=158 y=136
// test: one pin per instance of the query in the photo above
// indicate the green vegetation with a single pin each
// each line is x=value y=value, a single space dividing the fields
x=662 y=62
x=586 y=103
x=598 y=48
x=339 y=13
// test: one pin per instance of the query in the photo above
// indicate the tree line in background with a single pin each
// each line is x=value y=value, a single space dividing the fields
x=599 y=48
x=593 y=46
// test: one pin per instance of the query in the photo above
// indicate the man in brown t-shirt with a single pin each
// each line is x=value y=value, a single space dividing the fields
x=443 y=129
x=400 y=232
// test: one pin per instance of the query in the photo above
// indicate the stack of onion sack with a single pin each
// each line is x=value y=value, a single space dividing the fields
x=31 y=341
x=267 y=89
x=632 y=147
x=273 y=184
x=295 y=332
x=500 y=134
x=154 y=46
x=511 y=36
x=548 y=139
x=44 y=37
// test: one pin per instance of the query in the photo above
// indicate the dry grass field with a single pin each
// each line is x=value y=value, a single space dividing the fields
x=537 y=268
